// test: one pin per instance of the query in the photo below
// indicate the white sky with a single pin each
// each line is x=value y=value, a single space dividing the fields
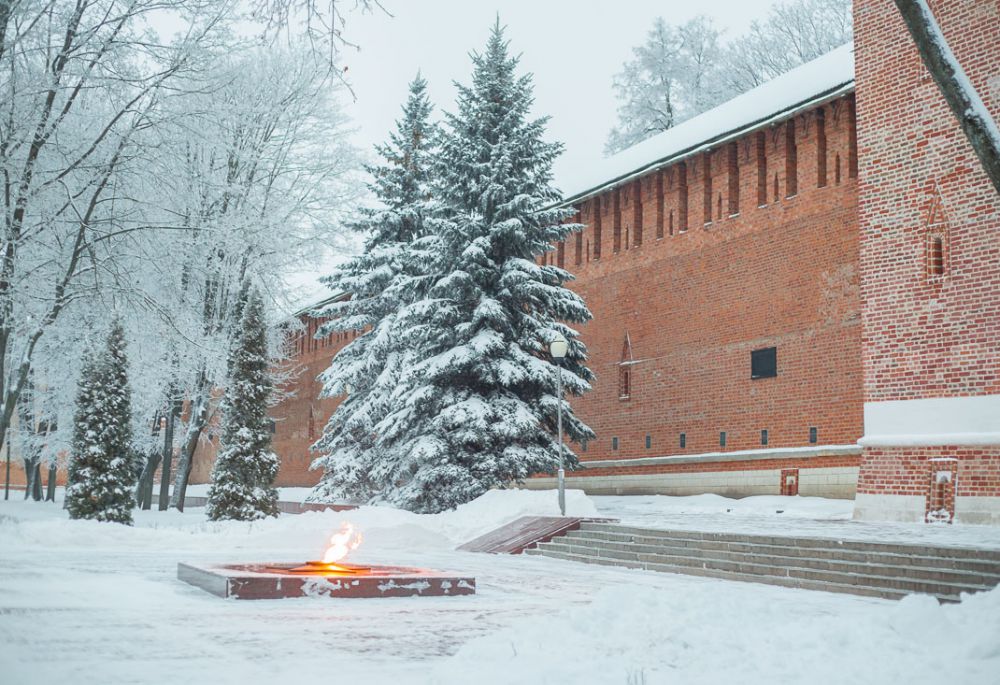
x=573 y=48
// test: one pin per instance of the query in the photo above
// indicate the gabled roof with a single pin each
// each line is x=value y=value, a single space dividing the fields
x=823 y=79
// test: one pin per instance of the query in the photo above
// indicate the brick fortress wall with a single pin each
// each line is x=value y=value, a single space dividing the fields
x=689 y=269
x=930 y=274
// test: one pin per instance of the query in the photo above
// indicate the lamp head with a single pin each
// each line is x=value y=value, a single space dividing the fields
x=558 y=346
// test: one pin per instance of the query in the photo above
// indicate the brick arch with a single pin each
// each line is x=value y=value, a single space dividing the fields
x=625 y=369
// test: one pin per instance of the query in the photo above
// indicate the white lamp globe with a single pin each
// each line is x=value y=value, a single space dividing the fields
x=558 y=346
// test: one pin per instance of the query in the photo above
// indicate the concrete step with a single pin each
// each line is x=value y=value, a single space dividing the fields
x=783 y=581
x=800 y=542
x=985 y=566
x=872 y=576
x=952 y=571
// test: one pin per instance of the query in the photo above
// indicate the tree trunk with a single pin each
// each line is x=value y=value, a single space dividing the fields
x=965 y=103
x=164 y=503
x=186 y=462
x=168 y=456
x=36 y=480
x=50 y=491
x=144 y=489
x=6 y=484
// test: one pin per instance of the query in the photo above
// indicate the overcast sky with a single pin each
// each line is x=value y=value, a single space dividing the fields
x=573 y=48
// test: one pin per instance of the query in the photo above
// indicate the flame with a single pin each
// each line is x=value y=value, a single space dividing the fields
x=342 y=543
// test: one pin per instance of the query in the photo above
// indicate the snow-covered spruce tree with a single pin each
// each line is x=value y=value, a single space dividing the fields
x=102 y=466
x=477 y=407
x=389 y=274
x=245 y=468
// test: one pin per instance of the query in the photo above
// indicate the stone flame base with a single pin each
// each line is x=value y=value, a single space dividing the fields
x=277 y=581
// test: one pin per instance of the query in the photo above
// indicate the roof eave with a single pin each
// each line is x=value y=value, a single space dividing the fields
x=787 y=113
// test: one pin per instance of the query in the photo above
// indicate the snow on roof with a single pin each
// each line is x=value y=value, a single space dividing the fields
x=823 y=78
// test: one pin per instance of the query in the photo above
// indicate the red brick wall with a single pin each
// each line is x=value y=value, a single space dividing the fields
x=926 y=336
x=295 y=431
x=696 y=302
x=903 y=471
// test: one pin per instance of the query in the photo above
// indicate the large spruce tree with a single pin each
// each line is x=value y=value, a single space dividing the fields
x=245 y=467
x=102 y=467
x=391 y=273
x=476 y=408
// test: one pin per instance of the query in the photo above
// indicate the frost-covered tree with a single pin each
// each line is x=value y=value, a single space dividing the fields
x=671 y=77
x=245 y=468
x=265 y=174
x=102 y=467
x=387 y=276
x=82 y=80
x=682 y=71
x=146 y=164
x=476 y=407
x=794 y=32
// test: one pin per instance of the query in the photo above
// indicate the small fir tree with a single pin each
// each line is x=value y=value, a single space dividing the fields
x=390 y=274
x=245 y=468
x=103 y=467
x=476 y=408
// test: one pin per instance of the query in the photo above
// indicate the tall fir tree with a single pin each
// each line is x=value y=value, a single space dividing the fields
x=245 y=468
x=477 y=406
x=390 y=273
x=103 y=466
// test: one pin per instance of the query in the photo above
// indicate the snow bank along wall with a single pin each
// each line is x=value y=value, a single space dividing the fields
x=766 y=315
x=930 y=274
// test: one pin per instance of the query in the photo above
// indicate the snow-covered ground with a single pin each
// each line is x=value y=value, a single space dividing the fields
x=86 y=602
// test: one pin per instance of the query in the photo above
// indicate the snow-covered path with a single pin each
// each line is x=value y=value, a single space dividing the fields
x=84 y=602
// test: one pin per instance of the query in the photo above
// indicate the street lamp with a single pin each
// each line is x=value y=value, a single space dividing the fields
x=558 y=348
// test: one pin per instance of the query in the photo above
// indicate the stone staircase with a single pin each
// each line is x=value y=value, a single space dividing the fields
x=874 y=569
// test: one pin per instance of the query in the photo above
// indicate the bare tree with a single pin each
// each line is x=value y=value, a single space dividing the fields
x=978 y=126
x=131 y=188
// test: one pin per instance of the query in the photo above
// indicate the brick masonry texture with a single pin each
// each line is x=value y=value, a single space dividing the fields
x=926 y=336
x=681 y=313
x=922 y=191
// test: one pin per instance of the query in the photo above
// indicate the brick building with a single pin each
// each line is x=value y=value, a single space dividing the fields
x=797 y=292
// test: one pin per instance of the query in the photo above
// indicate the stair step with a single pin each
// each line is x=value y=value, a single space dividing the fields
x=984 y=566
x=784 y=581
x=898 y=565
x=875 y=577
x=825 y=543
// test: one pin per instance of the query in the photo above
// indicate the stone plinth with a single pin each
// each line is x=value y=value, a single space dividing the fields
x=278 y=581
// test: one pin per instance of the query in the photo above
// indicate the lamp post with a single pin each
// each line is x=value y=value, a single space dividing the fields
x=558 y=348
